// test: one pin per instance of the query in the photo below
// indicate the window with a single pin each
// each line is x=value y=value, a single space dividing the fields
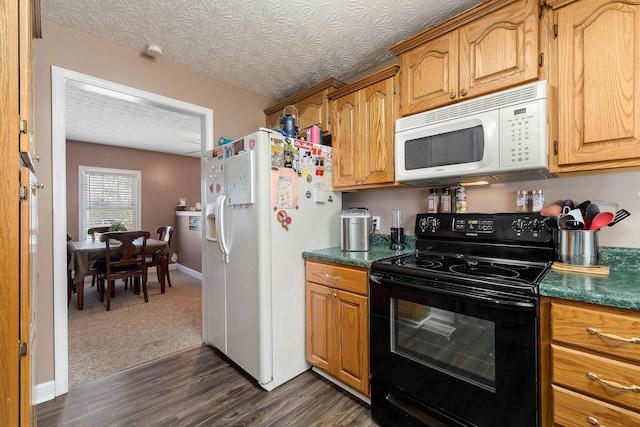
x=108 y=195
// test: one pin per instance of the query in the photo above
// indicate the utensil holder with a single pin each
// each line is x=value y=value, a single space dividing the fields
x=578 y=247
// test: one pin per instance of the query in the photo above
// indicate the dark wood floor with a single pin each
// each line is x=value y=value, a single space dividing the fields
x=199 y=387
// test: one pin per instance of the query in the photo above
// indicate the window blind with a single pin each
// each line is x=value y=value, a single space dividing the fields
x=108 y=195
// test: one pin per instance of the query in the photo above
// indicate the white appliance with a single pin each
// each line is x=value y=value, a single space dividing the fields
x=495 y=138
x=267 y=199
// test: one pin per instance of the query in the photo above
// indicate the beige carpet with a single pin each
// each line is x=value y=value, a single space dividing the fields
x=133 y=332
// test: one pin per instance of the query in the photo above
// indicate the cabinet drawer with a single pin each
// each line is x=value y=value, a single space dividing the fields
x=575 y=410
x=345 y=278
x=587 y=373
x=596 y=330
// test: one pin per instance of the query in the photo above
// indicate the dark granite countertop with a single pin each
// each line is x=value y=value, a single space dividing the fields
x=621 y=288
x=378 y=249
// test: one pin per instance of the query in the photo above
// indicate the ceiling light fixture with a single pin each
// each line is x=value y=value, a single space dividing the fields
x=153 y=51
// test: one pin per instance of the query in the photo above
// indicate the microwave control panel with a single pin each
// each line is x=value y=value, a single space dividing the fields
x=522 y=128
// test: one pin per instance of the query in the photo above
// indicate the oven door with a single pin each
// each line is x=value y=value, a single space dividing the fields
x=443 y=357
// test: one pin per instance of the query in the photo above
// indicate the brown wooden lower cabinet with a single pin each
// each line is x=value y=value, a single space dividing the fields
x=337 y=322
x=590 y=365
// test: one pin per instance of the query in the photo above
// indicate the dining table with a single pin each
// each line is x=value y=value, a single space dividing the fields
x=82 y=254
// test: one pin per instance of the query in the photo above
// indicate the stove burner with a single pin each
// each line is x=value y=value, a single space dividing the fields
x=509 y=266
x=483 y=270
x=429 y=256
x=429 y=260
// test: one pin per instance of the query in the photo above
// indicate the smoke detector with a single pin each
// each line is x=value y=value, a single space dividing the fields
x=153 y=51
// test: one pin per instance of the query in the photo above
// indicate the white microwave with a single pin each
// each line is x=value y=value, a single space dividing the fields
x=494 y=138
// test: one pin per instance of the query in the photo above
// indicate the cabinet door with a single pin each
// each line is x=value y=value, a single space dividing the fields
x=430 y=74
x=599 y=84
x=311 y=111
x=318 y=325
x=352 y=344
x=377 y=114
x=499 y=50
x=346 y=157
x=272 y=120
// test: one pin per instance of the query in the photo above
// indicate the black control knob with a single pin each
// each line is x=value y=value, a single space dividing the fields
x=518 y=225
x=536 y=225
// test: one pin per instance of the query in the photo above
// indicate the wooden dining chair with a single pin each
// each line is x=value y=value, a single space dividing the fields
x=122 y=262
x=97 y=230
x=92 y=232
x=154 y=260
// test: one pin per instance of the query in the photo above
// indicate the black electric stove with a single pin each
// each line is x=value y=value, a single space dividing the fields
x=453 y=326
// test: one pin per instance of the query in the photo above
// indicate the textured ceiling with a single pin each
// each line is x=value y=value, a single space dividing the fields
x=245 y=42
x=106 y=117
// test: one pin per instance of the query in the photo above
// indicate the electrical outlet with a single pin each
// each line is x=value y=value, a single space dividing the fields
x=375 y=220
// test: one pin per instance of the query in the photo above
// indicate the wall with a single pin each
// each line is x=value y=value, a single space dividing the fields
x=165 y=178
x=622 y=188
x=189 y=241
x=236 y=112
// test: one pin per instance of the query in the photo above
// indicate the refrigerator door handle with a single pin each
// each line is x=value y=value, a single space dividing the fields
x=220 y=227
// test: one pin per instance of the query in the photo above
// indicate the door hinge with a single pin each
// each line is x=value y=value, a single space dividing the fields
x=540 y=11
x=23 y=192
x=555 y=31
x=23 y=126
x=329 y=120
x=541 y=60
x=555 y=147
x=22 y=349
x=395 y=89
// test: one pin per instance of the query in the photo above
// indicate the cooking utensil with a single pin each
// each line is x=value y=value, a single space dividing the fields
x=567 y=206
x=605 y=206
x=600 y=220
x=568 y=222
x=583 y=206
x=590 y=212
x=620 y=215
x=576 y=214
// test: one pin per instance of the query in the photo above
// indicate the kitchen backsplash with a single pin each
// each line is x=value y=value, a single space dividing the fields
x=622 y=188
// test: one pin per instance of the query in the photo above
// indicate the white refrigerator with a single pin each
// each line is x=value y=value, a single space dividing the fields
x=267 y=199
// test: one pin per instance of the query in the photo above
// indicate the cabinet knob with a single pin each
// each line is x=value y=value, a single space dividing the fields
x=334 y=294
x=36 y=157
x=594 y=421
x=452 y=95
x=40 y=185
x=463 y=92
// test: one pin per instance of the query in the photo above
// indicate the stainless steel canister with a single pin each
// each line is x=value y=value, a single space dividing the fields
x=578 y=247
x=355 y=227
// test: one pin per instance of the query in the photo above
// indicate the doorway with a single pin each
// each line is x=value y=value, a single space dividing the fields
x=60 y=77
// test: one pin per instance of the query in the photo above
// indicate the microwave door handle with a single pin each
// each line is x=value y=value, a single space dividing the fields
x=220 y=227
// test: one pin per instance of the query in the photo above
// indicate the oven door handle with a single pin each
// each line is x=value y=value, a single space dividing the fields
x=516 y=304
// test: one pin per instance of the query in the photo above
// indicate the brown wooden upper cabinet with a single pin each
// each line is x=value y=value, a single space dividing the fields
x=490 y=47
x=363 y=117
x=596 y=68
x=312 y=106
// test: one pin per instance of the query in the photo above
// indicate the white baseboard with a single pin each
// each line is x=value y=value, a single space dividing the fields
x=187 y=270
x=175 y=266
x=44 y=392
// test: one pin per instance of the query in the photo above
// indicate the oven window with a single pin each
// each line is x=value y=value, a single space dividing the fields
x=456 y=344
x=451 y=148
